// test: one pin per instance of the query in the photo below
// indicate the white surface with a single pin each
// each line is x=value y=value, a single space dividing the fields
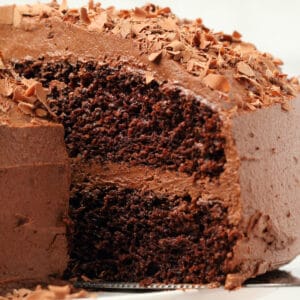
x=272 y=25
x=242 y=294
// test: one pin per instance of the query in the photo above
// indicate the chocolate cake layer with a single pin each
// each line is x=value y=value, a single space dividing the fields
x=124 y=234
x=122 y=119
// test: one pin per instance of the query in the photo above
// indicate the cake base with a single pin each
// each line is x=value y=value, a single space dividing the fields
x=130 y=235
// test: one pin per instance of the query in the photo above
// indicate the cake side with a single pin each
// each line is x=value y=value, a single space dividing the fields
x=268 y=146
x=34 y=191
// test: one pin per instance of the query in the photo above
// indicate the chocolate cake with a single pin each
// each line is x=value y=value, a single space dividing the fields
x=183 y=147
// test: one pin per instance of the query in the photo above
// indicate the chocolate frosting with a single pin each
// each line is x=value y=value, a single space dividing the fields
x=34 y=192
x=268 y=147
x=217 y=66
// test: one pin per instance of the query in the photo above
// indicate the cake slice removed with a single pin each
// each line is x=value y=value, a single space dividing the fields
x=184 y=143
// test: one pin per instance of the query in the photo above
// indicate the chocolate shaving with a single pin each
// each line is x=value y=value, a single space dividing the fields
x=220 y=61
x=41 y=113
x=30 y=90
x=269 y=74
x=26 y=96
x=85 y=278
x=204 y=42
x=170 y=36
x=289 y=89
x=155 y=56
x=286 y=106
x=175 y=46
x=139 y=12
x=91 y=5
x=217 y=82
x=275 y=90
x=28 y=82
x=149 y=77
x=125 y=29
x=51 y=293
x=124 y=14
x=41 y=95
x=168 y=24
x=6 y=88
x=186 y=56
x=84 y=16
x=137 y=28
x=26 y=108
x=245 y=69
x=236 y=36
x=190 y=65
x=4 y=106
x=99 y=22
x=257 y=87
x=278 y=62
x=64 y=5
x=2 y=66
x=294 y=80
x=164 y=11
x=206 y=68
x=18 y=94
x=196 y=39
x=250 y=106
x=176 y=55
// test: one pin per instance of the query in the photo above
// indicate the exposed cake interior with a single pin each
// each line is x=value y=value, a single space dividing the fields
x=121 y=232
x=109 y=114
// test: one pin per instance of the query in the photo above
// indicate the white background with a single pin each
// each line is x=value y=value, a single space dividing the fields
x=272 y=25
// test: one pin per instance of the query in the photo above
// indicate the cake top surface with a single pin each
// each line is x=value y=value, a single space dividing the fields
x=219 y=67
